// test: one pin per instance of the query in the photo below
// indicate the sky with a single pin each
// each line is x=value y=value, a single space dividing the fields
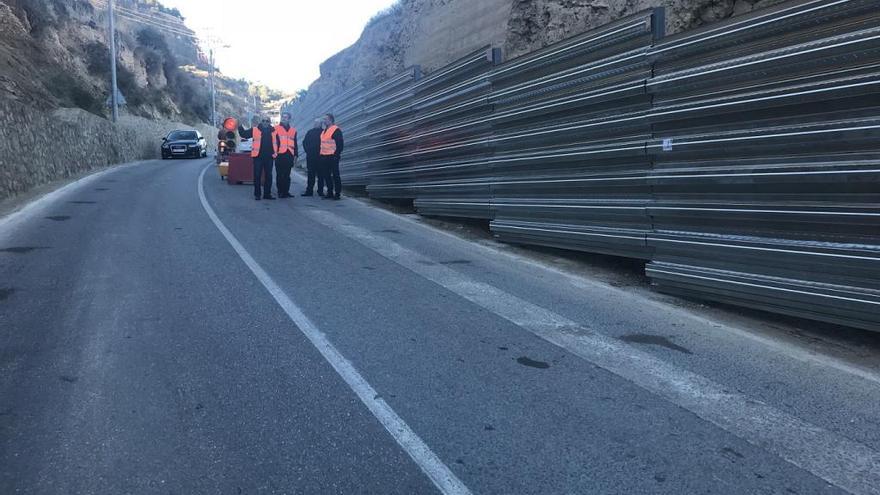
x=279 y=43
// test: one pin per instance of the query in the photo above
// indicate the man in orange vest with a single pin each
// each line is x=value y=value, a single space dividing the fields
x=331 y=151
x=287 y=153
x=264 y=151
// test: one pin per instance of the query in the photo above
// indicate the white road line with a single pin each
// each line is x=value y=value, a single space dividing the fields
x=431 y=465
x=838 y=460
x=789 y=349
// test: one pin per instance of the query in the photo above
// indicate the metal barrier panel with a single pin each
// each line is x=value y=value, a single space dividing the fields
x=443 y=127
x=742 y=160
x=570 y=168
x=766 y=173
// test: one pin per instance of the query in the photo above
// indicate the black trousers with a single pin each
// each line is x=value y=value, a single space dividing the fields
x=331 y=175
x=313 y=165
x=263 y=164
x=283 y=165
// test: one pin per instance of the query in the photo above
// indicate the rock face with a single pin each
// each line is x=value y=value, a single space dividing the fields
x=430 y=33
x=55 y=53
x=437 y=32
x=537 y=23
x=433 y=33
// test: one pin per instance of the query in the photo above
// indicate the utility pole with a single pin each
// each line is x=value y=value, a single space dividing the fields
x=113 y=91
x=213 y=99
x=254 y=108
x=212 y=43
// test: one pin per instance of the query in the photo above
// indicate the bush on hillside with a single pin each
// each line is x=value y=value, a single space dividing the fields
x=70 y=92
x=97 y=59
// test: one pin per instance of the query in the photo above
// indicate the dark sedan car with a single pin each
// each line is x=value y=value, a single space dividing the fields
x=184 y=144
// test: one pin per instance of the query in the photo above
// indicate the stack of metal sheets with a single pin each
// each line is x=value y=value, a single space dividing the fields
x=741 y=160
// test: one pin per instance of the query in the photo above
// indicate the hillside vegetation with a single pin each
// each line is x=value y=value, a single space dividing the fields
x=55 y=53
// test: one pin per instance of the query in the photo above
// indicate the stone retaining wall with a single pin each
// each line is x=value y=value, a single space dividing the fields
x=39 y=147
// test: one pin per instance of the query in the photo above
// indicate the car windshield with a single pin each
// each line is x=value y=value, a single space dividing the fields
x=180 y=135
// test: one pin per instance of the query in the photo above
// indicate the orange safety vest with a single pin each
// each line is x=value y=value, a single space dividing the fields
x=286 y=138
x=258 y=135
x=328 y=144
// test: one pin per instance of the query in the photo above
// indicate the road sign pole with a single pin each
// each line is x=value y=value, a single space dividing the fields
x=213 y=100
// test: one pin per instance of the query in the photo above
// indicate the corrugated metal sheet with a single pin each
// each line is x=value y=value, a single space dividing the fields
x=741 y=160
x=767 y=193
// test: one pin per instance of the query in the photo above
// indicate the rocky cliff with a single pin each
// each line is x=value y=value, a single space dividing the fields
x=433 y=33
x=55 y=53
x=536 y=23
x=54 y=81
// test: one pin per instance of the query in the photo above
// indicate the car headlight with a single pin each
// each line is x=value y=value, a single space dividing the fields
x=192 y=146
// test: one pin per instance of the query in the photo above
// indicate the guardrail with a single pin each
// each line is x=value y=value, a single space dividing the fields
x=742 y=160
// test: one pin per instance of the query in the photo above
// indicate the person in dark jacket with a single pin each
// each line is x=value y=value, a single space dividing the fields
x=288 y=150
x=312 y=146
x=265 y=149
x=331 y=152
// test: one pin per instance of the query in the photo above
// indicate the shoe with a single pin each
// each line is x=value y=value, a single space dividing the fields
x=269 y=197
x=307 y=194
x=321 y=193
x=328 y=196
x=337 y=197
x=285 y=195
x=257 y=198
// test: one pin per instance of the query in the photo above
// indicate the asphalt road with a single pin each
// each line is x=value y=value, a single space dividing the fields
x=165 y=334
